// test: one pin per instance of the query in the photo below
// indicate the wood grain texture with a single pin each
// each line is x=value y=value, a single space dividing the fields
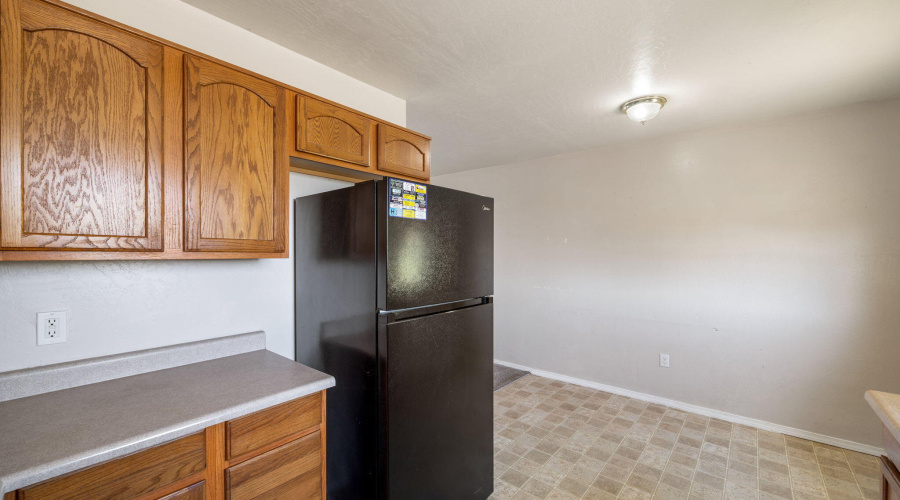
x=187 y=50
x=173 y=139
x=324 y=447
x=312 y=164
x=401 y=152
x=292 y=471
x=255 y=431
x=196 y=491
x=215 y=462
x=236 y=163
x=85 y=107
x=84 y=137
x=332 y=131
x=127 y=477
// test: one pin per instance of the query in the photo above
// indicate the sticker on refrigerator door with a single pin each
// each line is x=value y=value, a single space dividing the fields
x=408 y=200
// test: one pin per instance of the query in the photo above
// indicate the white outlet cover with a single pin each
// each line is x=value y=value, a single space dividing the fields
x=664 y=360
x=43 y=335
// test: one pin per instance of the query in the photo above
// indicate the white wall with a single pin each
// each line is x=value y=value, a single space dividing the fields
x=124 y=306
x=764 y=259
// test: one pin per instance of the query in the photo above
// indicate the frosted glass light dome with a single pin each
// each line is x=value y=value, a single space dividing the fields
x=643 y=108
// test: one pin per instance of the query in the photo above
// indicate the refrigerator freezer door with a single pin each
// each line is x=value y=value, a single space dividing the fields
x=437 y=406
x=447 y=256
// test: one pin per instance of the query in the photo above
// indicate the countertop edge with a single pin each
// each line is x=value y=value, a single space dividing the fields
x=885 y=419
x=14 y=481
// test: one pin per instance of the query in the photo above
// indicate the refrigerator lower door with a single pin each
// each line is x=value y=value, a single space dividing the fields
x=436 y=405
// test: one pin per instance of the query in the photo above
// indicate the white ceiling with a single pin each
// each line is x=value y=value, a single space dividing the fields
x=496 y=81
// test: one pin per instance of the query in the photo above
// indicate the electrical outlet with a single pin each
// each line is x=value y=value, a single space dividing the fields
x=664 y=360
x=51 y=328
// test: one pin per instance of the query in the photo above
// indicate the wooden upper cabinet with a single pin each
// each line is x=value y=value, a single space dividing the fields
x=80 y=142
x=402 y=152
x=236 y=175
x=332 y=131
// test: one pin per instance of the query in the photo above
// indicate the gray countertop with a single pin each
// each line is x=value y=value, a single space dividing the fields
x=46 y=435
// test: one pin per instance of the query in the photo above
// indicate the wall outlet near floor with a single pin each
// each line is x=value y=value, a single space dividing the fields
x=51 y=327
x=664 y=360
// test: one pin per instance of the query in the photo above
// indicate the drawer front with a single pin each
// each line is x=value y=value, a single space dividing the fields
x=195 y=491
x=129 y=476
x=263 y=428
x=401 y=152
x=292 y=471
x=332 y=131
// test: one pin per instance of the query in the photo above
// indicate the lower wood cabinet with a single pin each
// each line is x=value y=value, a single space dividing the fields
x=890 y=476
x=290 y=471
x=278 y=452
x=193 y=492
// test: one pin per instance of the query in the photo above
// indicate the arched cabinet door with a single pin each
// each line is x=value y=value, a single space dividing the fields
x=236 y=175
x=402 y=152
x=81 y=139
x=331 y=131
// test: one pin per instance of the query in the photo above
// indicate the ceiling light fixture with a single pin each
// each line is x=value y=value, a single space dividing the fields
x=643 y=108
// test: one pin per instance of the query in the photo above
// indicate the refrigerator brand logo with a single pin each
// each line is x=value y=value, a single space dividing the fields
x=483 y=207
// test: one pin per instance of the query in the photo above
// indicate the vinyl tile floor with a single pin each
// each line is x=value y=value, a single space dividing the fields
x=554 y=440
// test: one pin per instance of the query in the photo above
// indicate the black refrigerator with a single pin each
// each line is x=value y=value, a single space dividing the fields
x=394 y=298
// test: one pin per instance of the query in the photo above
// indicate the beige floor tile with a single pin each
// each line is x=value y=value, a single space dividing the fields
x=632 y=493
x=735 y=491
x=537 y=488
x=667 y=492
x=608 y=485
x=572 y=486
x=704 y=492
x=558 y=494
x=594 y=493
x=642 y=483
x=561 y=441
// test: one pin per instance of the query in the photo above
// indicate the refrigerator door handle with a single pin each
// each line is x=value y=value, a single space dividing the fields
x=417 y=312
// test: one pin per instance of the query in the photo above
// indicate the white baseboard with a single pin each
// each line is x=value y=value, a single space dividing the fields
x=706 y=412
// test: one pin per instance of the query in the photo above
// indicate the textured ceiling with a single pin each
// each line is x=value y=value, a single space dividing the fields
x=496 y=81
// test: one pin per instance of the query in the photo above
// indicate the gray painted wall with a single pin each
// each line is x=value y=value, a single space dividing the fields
x=764 y=259
x=123 y=306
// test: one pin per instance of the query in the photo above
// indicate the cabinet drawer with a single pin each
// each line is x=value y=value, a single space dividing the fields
x=129 y=476
x=403 y=152
x=331 y=131
x=195 y=491
x=291 y=471
x=269 y=426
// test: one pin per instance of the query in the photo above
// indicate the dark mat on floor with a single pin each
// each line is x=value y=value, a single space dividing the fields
x=504 y=375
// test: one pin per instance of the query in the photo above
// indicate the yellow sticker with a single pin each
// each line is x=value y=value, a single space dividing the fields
x=407 y=203
x=409 y=214
x=409 y=197
x=420 y=188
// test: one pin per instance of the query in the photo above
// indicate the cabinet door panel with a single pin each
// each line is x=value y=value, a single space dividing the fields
x=402 y=152
x=257 y=430
x=195 y=491
x=127 y=477
x=331 y=131
x=80 y=166
x=235 y=164
x=293 y=471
